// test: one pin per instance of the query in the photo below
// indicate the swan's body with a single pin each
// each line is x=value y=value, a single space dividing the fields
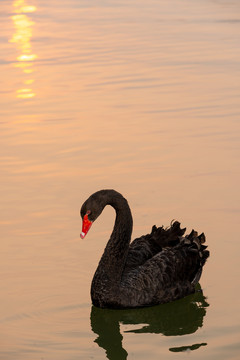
x=156 y=268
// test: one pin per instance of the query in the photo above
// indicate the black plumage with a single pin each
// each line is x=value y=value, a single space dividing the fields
x=156 y=268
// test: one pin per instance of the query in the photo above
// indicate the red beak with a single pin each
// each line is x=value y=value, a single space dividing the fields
x=85 y=226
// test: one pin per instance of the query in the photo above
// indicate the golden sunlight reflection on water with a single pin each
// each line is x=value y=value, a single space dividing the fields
x=23 y=25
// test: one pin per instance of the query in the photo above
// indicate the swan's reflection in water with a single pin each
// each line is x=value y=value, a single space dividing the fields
x=181 y=317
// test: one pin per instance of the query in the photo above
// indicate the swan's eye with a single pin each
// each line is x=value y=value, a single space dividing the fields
x=90 y=215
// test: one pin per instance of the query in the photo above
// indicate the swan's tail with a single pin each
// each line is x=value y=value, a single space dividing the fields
x=195 y=244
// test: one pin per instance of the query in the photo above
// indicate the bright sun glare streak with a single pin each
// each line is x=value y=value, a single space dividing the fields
x=22 y=36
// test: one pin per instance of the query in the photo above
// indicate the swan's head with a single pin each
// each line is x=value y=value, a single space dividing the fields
x=91 y=209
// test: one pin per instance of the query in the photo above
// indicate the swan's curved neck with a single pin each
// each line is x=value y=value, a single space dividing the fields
x=113 y=260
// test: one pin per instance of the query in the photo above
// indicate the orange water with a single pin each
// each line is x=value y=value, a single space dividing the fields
x=139 y=96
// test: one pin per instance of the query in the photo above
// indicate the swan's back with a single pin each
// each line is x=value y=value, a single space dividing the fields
x=147 y=246
x=166 y=264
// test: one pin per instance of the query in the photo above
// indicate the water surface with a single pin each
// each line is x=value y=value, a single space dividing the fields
x=138 y=96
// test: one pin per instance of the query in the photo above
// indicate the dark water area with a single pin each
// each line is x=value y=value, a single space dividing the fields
x=174 y=319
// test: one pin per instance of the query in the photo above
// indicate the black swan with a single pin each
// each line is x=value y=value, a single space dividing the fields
x=156 y=268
